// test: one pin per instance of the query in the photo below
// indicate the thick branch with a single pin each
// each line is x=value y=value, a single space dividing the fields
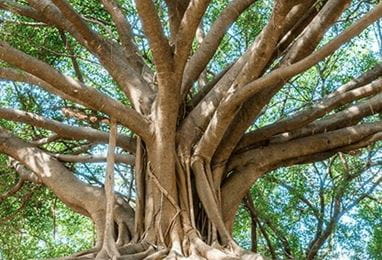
x=186 y=33
x=232 y=102
x=274 y=153
x=65 y=131
x=22 y=10
x=250 y=163
x=247 y=66
x=110 y=53
x=83 y=198
x=304 y=117
x=210 y=43
x=52 y=173
x=124 y=31
x=312 y=26
x=279 y=75
x=88 y=158
x=78 y=92
x=347 y=117
x=153 y=30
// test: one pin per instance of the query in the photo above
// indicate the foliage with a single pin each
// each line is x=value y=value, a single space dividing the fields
x=291 y=202
x=34 y=224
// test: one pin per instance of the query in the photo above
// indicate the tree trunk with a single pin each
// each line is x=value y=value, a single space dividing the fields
x=194 y=160
x=185 y=221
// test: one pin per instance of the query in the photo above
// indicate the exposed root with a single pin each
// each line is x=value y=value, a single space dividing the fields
x=161 y=254
x=199 y=236
x=138 y=256
x=198 y=250
x=87 y=252
x=209 y=252
x=134 y=248
x=123 y=234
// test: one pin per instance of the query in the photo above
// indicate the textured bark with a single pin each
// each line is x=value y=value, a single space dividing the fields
x=193 y=161
x=109 y=247
x=85 y=199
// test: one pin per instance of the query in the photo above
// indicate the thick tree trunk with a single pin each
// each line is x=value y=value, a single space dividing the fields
x=192 y=168
x=185 y=221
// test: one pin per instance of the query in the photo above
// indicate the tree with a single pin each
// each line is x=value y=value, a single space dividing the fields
x=324 y=212
x=186 y=125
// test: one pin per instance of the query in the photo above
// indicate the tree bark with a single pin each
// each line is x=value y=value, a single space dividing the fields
x=193 y=165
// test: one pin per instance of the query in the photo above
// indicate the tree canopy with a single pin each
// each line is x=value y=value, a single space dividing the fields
x=227 y=129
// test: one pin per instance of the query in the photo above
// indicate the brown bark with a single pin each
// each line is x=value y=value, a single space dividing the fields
x=193 y=162
x=109 y=247
x=85 y=199
x=65 y=131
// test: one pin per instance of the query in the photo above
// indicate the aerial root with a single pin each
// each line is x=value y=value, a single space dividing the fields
x=197 y=249
x=85 y=254
x=123 y=233
x=92 y=250
x=161 y=254
x=133 y=248
x=138 y=256
x=153 y=254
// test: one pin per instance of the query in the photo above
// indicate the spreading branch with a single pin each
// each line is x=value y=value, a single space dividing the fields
x=75 y=90
x=64 y=130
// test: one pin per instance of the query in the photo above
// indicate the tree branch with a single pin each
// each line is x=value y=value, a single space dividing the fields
x=109 y=53
x=19 y=184
x=349 y=116
x=22 y=76
x=248 y=65
x=88 y=158
x=176 y=11
x=248 y=166
x=78 y=23
x=309 y=27
x=79 y=196
x=304 y=117
x=124 y=31
x=186 y=32
x=280 y=74
x=254 y=218
x=109 y=246
x=211 y=42
x=65 y=131
x=78 y=92
x=22 y=10
x=46 y=140
x=75 y=64
x=328 y=141
x=231 y=104
x=153 y=30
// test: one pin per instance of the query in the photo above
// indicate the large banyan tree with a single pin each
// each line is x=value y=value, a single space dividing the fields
x=182 y=117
